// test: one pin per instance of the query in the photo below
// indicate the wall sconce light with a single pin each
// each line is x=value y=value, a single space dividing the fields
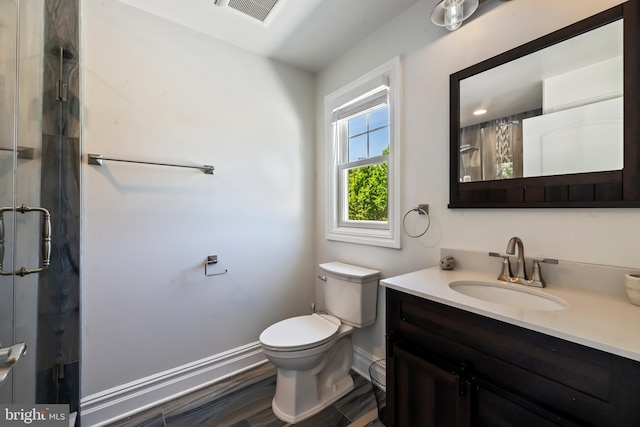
x=451 y=13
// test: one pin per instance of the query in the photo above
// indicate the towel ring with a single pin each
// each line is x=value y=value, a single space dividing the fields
x=404 y=218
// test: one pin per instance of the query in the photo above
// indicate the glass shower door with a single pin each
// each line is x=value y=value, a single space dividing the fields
x=39 y=173
x=8 y=145
x=21 y=234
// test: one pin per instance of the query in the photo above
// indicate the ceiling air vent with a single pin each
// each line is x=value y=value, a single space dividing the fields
x=258 y=9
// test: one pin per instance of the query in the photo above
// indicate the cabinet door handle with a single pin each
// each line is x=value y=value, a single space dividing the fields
x=46 y=240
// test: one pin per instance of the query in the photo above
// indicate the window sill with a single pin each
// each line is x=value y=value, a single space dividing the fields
x=365 y=236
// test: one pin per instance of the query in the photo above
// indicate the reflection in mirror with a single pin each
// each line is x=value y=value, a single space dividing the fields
x=556 y=111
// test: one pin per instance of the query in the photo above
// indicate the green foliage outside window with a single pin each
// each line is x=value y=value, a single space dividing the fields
x=368 y=192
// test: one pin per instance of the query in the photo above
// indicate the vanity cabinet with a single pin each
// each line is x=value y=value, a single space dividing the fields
x=450 y=367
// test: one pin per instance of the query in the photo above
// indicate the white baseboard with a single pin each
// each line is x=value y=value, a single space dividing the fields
x=362 y=360
x=119 y=402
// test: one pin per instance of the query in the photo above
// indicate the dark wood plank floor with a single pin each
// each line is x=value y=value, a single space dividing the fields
x=245 y=401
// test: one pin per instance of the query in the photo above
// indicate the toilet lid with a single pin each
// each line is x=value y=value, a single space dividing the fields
x=300 y=332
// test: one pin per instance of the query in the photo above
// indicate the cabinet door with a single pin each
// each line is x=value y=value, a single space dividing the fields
x=423 y=394
x=494 y=407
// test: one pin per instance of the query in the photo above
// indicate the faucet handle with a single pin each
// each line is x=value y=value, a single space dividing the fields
x=505 y=273
x=547 y=260
x=536 y=274
x=498 y=255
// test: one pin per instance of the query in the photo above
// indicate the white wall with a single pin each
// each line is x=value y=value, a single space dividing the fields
x=429 y=55
x=155 y=91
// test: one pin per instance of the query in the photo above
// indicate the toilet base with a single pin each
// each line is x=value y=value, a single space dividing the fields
x=340 y=390
x=302 y=394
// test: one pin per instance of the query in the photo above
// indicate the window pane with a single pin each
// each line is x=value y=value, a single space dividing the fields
x=358 y=148
x=379 y=118
x=367 y=193
x=358 y=125
x=379 y=142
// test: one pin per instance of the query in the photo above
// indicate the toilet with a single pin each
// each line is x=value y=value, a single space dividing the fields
x=314 y=353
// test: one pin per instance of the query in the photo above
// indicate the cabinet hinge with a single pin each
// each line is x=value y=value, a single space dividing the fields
x=392 y=339
x=391 y=336
x=462 y=379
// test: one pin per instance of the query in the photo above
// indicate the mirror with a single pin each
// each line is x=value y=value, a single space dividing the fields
x=555 y=111
x=547 y=124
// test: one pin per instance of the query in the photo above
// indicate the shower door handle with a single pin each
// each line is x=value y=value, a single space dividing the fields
x=8 y=357
x=46 y=240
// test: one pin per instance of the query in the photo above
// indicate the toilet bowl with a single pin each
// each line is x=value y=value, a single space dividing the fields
x=314 y=353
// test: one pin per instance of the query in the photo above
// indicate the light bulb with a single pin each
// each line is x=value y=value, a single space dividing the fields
x=453 y=14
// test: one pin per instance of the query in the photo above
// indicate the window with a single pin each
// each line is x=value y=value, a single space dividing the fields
x=363 y=145
x=363 y=168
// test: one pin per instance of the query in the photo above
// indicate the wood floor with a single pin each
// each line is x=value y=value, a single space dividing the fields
x=245 y=401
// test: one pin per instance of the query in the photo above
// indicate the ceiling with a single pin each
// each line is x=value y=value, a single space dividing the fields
x=308 y=34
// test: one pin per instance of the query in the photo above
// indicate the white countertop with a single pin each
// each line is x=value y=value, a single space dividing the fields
x=605 y=322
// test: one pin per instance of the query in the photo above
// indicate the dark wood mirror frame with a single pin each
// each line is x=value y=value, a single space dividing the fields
x=620 y=188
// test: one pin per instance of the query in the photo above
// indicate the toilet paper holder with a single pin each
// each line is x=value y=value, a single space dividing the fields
x=212 y=260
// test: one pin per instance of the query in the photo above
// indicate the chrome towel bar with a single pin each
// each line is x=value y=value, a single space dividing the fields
x=98 y=159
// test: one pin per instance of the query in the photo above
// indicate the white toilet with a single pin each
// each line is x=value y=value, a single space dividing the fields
x=314 y=353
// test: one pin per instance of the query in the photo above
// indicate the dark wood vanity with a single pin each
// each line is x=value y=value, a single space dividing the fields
x=450 y=367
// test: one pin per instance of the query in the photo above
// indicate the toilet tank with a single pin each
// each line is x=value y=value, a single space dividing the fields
x=351 y=293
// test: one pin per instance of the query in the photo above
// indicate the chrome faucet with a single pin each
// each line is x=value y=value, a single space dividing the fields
x=521 y=268
x=521 y=275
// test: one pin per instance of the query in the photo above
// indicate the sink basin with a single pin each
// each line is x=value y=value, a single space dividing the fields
x=509 y=295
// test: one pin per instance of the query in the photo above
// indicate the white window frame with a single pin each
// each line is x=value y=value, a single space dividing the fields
x=338 y=105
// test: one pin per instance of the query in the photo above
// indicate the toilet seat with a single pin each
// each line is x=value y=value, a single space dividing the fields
x=301 y=332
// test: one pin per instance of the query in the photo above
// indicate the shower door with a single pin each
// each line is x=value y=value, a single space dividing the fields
x=7 y=171
x=39 y=174
x=21 y=218
x=39 y=201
